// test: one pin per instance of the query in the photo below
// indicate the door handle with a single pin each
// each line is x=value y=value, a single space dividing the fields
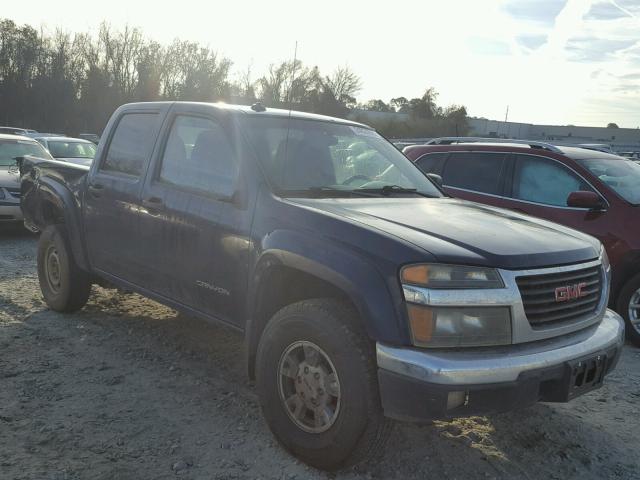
x=152 y=203
x=95 y=189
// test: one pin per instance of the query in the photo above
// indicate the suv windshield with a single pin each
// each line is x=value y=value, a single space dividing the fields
x=621 y=175
x=63 y=149
x=10 y=149
x=332 y=159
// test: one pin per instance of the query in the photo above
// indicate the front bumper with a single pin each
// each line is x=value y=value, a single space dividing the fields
x=417 y=384
x=10 y=212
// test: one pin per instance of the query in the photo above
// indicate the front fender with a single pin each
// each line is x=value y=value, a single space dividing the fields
x=349 y=270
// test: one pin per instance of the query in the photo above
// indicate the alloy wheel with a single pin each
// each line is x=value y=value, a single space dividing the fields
x=634 y=310
x=309 y=387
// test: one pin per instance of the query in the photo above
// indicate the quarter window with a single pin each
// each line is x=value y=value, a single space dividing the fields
x=545 y=181
x=132 y=143
x=199 y=156
x=476 y=171
x=431 y=162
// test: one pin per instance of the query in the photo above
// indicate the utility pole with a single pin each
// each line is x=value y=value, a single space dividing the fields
x=506 y=117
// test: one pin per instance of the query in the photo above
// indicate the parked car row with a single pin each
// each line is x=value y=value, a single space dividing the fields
x=589 y=190
x=12 y=147
x=363 y=291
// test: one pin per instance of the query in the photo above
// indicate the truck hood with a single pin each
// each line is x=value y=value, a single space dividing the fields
x=460 y=232
x=9 y=177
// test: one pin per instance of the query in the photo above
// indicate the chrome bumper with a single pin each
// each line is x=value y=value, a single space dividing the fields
x=504 y=364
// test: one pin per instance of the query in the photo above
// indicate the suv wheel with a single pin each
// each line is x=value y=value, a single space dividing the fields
x=64 y=285
x=317 y=382
x=629 y=308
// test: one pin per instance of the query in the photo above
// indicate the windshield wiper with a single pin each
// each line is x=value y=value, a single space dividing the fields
x=392 y=189
x=325 y=192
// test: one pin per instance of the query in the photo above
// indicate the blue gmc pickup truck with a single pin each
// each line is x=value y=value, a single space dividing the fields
x=363 y=292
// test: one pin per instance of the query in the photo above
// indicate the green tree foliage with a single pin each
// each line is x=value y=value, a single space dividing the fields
x=71 y=83
x=422 y=117
x=612 y=125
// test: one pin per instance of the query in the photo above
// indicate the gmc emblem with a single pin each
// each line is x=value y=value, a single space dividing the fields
x=570 y=292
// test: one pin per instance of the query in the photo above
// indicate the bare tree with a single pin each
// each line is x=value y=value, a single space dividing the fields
x=342 y=83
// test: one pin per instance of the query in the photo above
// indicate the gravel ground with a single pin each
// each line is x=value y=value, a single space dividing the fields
x=129 y=389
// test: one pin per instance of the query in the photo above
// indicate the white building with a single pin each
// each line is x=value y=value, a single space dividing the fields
x=621 y=139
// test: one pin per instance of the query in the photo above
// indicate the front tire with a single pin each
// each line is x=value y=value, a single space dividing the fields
x=317 y=383
x=64 y=285
x=629 y=307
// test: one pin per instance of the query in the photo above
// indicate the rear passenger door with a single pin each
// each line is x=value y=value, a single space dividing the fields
x=196 y=224
x=539 y=186
x=475 y=176
x=112 y=199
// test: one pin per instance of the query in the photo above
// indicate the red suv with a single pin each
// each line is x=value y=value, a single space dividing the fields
x=591 y=191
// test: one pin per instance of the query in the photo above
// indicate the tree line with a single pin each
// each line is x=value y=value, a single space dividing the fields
x=71 y=83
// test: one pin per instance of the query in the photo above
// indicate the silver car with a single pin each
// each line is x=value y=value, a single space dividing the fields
x=11 y=147
x=66 y=149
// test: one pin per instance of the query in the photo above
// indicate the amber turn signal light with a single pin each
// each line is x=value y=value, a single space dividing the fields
x=421 y=323
x=415 y=275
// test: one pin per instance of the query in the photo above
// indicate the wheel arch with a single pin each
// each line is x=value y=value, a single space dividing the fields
x=57 y=205
x=282 y=277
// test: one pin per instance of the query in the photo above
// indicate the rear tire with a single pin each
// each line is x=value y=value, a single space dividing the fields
x=629 y=307
x=325 y=409
x=64 y=285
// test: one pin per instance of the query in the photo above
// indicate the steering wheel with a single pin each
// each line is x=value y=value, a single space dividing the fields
x=355 y=177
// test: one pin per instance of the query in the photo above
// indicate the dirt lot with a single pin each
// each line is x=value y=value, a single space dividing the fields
x=128 y=389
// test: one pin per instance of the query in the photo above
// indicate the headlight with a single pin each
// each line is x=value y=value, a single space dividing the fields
x=459 y=326
x=450 y=276
x=451 y=326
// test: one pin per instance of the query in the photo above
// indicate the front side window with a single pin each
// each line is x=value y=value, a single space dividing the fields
x=621 y=175
x=11 y=149
x=545 y=181
x=475 y=171
x=199 y=155
x=132 y=143
x=303 y=156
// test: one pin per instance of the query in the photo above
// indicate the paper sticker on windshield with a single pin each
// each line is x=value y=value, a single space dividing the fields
x=365 y=132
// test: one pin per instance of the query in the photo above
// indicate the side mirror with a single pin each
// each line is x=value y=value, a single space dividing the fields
x=590 y=200
x=435 y=178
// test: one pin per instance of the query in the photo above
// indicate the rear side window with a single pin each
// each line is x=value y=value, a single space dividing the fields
x=431 y=162
x=132 y=143
x=476 y=171
x=545 y=181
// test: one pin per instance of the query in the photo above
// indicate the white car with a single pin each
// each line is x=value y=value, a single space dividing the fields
x=11 y=147
x=72 y=150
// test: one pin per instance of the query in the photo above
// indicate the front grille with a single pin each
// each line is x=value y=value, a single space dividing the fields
x=538 y=294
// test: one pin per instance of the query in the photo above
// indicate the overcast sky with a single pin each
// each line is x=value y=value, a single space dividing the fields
x=552 y=61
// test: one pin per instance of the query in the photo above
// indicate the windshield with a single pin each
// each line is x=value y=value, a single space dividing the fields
x=621 y=175
x=330 y=157
x=10 y=149
x=63 y=149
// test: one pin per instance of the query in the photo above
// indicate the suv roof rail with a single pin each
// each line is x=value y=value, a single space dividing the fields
x=530 y=143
